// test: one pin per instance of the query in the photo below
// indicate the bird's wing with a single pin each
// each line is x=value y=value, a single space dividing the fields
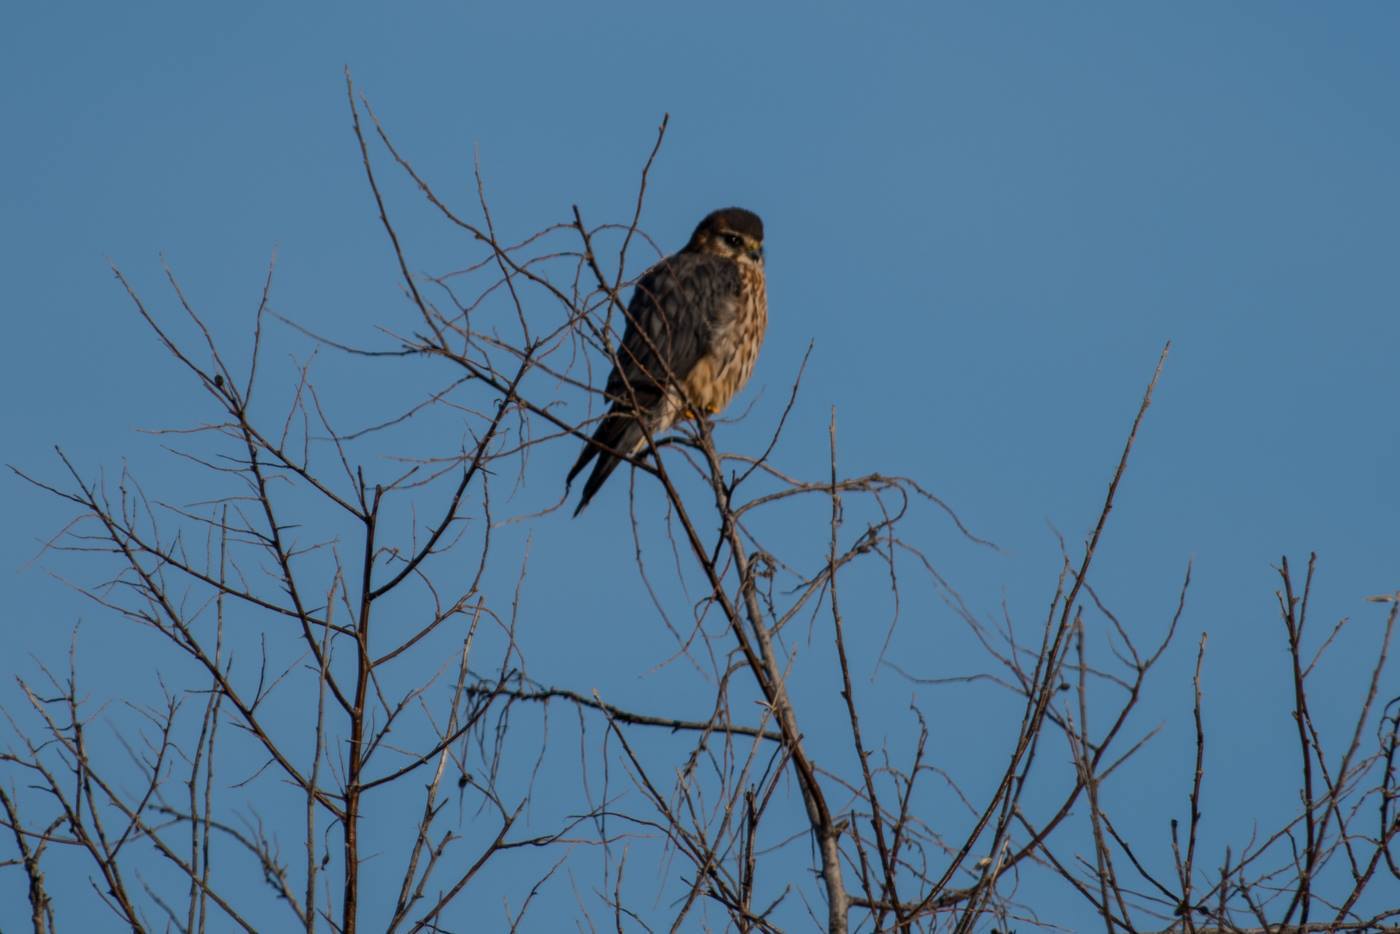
x=673 y=313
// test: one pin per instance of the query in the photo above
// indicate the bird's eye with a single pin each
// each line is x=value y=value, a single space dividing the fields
x=733 y=240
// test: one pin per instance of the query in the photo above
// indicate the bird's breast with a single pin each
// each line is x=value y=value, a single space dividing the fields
x=723 y=371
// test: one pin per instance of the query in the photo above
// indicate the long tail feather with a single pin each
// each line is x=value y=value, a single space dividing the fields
x=617 y=432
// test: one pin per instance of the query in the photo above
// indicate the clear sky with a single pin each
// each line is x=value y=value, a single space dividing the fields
x=987 y=218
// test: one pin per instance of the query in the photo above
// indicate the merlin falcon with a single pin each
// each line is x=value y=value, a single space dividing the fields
x=694 y=326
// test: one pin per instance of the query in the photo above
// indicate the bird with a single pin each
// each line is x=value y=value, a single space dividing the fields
x=695 y=323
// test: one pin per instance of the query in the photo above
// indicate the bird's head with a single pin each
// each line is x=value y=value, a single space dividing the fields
x=730 y=232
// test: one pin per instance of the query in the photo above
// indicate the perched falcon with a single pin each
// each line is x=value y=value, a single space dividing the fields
x=694 y=326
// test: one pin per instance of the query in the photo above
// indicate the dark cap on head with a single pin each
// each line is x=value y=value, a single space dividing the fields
x=736 y=219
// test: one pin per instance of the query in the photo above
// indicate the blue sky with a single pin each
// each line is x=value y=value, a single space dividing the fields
x=987 y=219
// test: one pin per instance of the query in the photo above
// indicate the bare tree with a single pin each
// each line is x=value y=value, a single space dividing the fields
x=351 y=657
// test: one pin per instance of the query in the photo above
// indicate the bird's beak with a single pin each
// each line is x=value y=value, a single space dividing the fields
x=756 y=254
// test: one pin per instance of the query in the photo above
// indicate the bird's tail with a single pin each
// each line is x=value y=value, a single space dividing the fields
x=618 y=431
